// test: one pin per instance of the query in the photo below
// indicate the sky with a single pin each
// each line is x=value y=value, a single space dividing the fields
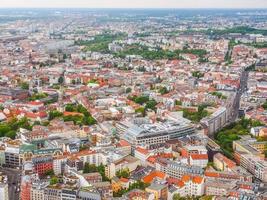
x=133 y=3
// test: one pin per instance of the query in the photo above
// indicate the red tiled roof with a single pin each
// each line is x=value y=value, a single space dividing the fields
x=197 y=179
x=186 y=178
x=155 y=174
x=194 y=179
x=41 y=114
x=35 y=103
x=212 y=174
x=123 y=143
x=72 y=113
x=199 y=156
x=175 y=181
x=141 y=150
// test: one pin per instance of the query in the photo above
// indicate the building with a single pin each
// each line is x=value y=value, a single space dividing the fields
x=219 y=187
x=127 y=162
x=88 y=193
x=200 y=160
x=12 y=154
x=223 y=163
x=177 y=169
x=37 y=190
x=159 y=191
x=93 y=177
x=13 y=93
x=216 y=121
x=250 y=146
x=42 y=164
x=255 y=166
x=2 y=156
x=154 y=175
x=52 y=193
x=213 y=148
x=116 y=184
x=156 y=134
x=4 y=191
x=26 y=185
x=193 y=185
x=141 y=153
x=137 y=194
x=59 y=163
x=74 y=162
x=237 y=175
x=104 y=189
x=68 y=193
x=189 y=150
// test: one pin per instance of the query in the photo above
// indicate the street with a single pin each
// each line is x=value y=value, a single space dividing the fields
x=13 y=182
x=241 y=90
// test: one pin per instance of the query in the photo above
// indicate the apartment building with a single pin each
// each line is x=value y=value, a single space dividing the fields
x=42 y=164
x=216 y=121
x=127 y=162
x=178 y=169
x=255 y=166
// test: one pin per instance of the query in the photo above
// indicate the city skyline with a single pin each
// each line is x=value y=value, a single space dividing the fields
x=124 y=100
x=135 y=4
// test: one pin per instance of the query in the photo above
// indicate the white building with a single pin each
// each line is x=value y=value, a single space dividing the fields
x=200 y=160
x=187 y=186
x=4 y=191
x=58 y=164
x=193 y=185
x=141 y=153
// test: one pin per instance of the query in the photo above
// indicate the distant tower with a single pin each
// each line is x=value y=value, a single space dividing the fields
x=30 y=58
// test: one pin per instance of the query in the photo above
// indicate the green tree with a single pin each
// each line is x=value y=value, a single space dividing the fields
x=141 y=110
x=101 y=170
x=128 y=90
x=24 y=85
x=141 y=99
x=195 y=116
x=89 y=168
x=178 y=197
x=37 y=96
x=54 y=114
x=265 y=105
x=9 y=129
x=70 y=108
x=65 y=56
x=124 y=173
x=49 y=172
x=163 y=90
x=151 y=104
x=60 y=79
x=11 y=134
x=197 y=74
x=178 y=103
x=53 y=180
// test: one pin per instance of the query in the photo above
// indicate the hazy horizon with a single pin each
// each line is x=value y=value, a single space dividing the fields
x=141 y=4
